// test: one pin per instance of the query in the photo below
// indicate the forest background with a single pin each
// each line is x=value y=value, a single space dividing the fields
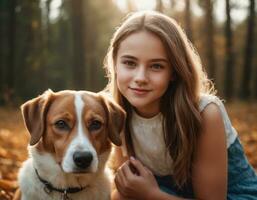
x=61 y=44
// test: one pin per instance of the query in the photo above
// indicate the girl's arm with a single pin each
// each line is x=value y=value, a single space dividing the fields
x=138 y=186
x=209 y=168
x=210 y=163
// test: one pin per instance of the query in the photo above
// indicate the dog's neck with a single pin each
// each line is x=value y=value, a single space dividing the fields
x=52 y=172
x=48 y=187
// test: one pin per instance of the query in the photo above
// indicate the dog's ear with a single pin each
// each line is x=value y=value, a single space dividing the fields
x=34 y=115
x=116 y=119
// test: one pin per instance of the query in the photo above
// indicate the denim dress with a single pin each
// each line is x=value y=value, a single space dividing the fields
x=242 y=179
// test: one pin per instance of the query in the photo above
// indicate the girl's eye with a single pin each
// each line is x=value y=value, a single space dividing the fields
x=62 y=125
x=129 y=63
x=157 y=66
x=95 y=125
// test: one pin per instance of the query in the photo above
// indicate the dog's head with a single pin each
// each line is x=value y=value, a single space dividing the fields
x=76 y=127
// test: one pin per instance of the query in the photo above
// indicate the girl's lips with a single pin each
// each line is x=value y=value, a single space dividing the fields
x=139 y=90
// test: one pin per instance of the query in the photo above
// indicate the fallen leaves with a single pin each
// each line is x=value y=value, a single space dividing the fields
x=13 y=150
x=244 y=119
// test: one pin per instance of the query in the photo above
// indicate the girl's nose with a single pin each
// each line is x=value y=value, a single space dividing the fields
x=141 y=75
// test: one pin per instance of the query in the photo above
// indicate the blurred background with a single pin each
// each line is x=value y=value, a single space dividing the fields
x=61 y=44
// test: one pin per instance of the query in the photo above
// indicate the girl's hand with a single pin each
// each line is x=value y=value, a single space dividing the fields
x=135 y=181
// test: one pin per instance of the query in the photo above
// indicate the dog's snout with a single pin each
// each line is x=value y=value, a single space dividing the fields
x=82 y=159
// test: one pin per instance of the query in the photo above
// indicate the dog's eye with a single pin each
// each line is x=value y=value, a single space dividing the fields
x=62 y=125
x=95 y=125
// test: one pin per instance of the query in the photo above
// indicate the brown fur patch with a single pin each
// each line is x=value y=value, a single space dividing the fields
x=98 y=138
x=56 y=141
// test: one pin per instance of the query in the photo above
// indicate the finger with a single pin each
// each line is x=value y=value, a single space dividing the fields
x=138 y=165
x=118 y=182
x=120 y=189
x=118 y=196
x=122 y=183
x=120 y=176
x=127 y=171
x=148 y=170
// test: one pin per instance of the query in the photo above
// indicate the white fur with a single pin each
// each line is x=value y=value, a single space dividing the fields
x=98 y=179
x=80 y=142
x=33 y=189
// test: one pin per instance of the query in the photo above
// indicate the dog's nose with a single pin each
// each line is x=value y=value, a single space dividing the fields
x=82 y=159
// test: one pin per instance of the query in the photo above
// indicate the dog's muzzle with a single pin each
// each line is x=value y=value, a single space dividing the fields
x=82 y=159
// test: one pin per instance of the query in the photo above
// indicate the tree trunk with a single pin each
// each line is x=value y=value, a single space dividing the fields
x=159 y=6
x=172 y=4
x=255 y=71
x=78 y=24
x=245 y=90
x=229 y=67
x=46 y=46
x=209 y=24
x=130 y=6
x=188 y=20
x=4 y=22
x=10 y=75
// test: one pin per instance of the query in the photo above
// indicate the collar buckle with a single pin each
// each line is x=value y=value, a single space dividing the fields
x=65 y=196
x=47 y=190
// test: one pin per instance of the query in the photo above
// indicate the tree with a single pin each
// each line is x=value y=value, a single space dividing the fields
x=7 y=54
x=12 y=39
x=159 y=6
x=4 y=21
x=188 y=20
x=245 y=89
x=63 y=53
x=230 y=64
x=172 y=4
x=130 y=6
x=209 y=36
x=45 y=37
x=28 y=48
x=78 y=23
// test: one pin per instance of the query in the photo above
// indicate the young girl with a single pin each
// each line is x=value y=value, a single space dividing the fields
x=178 y=136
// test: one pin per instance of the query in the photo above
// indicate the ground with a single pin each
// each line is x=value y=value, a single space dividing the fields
x=14 y=139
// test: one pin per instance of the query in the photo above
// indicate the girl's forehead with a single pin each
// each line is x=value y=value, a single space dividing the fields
x=142 y=43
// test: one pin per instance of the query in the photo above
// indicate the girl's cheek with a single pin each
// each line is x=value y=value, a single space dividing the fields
x=121 y=78
x=123 y=73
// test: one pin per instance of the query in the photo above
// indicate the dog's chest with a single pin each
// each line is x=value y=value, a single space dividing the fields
x=33 y=189
x=39 y=193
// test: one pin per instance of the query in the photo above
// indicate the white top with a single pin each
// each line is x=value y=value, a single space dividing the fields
x=148 y=138
x=148 y=142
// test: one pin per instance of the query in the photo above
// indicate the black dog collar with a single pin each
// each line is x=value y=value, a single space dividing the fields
x=49 y=188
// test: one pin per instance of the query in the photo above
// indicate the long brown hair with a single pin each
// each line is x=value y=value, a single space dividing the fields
x=179 y=105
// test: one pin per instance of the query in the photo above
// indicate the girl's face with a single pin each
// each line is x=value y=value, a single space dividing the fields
x=143 y=72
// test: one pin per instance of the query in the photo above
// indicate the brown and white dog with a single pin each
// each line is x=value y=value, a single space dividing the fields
x=71 y=135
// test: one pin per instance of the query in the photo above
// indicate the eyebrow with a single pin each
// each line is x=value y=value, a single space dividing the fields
x=151 y=60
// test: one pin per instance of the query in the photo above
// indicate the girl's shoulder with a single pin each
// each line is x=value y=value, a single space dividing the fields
x=205 y=100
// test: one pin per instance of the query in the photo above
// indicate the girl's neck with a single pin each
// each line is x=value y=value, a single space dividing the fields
x=147 y=113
